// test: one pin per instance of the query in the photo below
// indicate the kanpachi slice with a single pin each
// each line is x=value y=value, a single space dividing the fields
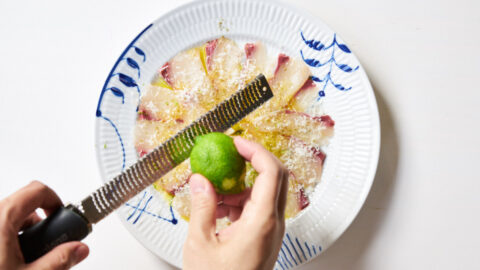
x=303 y=98
x=289 y=76
x=186 y=73
x=297 y=200
x=304 y=161
x=159 y=103
x=181 y=202
x=314 y=130
x=256 y=61
x=175 y=179
x=150 y=134
x=224 y=67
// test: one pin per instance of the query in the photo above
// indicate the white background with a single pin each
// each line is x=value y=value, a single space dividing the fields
x=423 y=59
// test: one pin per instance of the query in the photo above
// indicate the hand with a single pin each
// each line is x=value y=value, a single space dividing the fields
x=17 y=212
x=254 y=238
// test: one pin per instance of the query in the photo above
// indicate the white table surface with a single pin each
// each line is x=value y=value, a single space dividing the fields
x=423 y=59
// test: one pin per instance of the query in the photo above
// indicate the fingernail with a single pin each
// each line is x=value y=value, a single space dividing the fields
x=80 y=253
x=197 y=184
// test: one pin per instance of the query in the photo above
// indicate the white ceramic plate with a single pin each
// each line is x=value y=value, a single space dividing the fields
x=347 y=97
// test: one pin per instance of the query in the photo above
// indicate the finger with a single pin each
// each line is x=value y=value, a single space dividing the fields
x=236 y=199
x=268 y=183
x=261 y=159
x=31 y=220
x=232 y=212
x=22 y=203
x=204 y=204
x=62 y=257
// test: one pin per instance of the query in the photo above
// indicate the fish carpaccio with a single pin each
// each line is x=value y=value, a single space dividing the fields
x=197 y=79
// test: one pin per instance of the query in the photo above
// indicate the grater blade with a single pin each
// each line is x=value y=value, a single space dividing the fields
x=173 y=151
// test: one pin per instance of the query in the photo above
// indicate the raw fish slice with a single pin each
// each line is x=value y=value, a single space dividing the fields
x=150 y=134
x=182 y=202
x=296 y=198
x=304 y=96
x=304 y=161
x=175 y=179
x=160 y=117
x=186 y=74
x=274 y=142
x=289 y=76
x=256 y=61
x=192 y=113
x=312 y=130
x=160 y=103
x=224 y=66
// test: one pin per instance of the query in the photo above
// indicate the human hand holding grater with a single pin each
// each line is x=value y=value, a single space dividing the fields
x=74 y=222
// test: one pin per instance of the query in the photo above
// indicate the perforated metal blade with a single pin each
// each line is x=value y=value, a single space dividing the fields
x=173 y=151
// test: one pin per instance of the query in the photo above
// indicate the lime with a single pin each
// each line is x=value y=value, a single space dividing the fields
x=214 y=156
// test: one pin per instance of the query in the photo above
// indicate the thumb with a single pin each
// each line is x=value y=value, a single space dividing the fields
x=204 y=205
x=62 y=257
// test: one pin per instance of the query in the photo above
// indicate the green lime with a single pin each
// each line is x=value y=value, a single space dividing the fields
x=214 y=156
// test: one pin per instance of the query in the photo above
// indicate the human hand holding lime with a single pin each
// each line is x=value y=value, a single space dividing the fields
x=214 y=156
x=254 y=238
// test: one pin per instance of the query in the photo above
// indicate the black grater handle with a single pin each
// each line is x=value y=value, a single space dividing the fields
x=64 y=225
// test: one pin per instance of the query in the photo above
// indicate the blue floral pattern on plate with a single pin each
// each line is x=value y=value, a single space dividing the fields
x=126 y=81
x=330 y=63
